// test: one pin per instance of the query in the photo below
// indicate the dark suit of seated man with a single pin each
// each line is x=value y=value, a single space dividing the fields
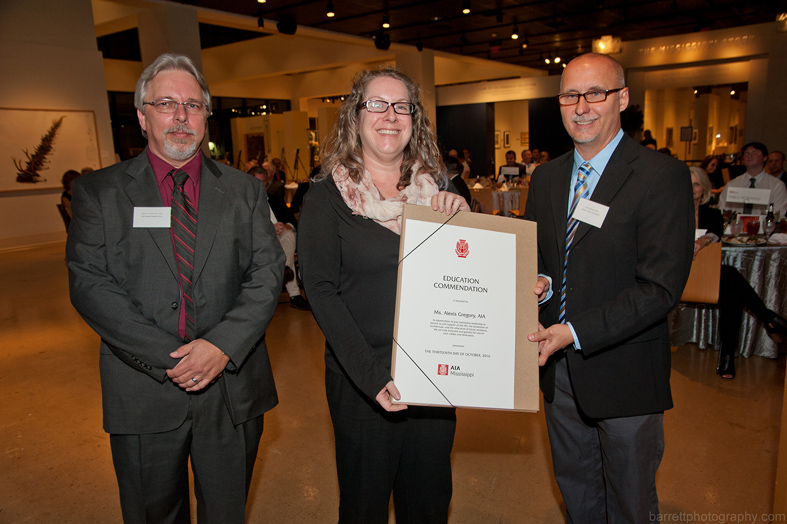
x=174 y=262
x=285 y=223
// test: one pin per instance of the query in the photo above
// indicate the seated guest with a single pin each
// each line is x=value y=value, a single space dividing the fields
x=65 y=199
x=734 y=290
x=544 y=157
x=284 y=223
x=510 y=163
x=775 y=166
x=648 y=139
x=528 y=165
x=754 y=156
x=274 y=185
x=453 y=169
x=710 y=164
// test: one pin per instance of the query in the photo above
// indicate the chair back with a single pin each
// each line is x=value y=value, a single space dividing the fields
x=484 y=198
x=703 y=284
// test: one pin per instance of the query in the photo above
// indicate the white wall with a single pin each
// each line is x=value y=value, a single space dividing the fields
x=49 y=59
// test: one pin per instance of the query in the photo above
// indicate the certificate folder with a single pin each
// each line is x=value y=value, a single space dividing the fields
x=464 y=308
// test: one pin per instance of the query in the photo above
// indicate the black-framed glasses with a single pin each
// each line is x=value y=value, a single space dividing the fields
x=381 y=106
x=591 y=97
x=167 y=105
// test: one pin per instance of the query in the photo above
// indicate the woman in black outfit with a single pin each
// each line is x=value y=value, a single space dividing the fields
x=734 y=290
x=381 y=154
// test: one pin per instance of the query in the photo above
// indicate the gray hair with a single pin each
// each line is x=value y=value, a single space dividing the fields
x=169 y=62
x=704 y=181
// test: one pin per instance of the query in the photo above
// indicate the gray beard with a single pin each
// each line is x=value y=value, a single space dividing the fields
x=179 y=152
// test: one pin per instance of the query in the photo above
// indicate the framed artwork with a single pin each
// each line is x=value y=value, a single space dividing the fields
x=498 y=144
x=44 y=144
x=507 y=139
x=670 y=137
x=695 y=136
x=524 y=139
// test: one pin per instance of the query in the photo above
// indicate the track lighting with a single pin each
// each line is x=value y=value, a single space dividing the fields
x=329 y=12
x=515 y=33
x=466 y=7
x=386 y=21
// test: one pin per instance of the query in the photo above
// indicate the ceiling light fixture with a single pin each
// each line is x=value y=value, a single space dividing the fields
x=386 y=21
x=329 y=12
x=261 y=1
x=515 y=33
x=547 y=60
x=466 y=7
x=557 y=59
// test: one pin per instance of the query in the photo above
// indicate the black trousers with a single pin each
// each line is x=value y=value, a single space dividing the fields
x=152 y=469
x=377 y=452
x=605 y=468
x=735 y=293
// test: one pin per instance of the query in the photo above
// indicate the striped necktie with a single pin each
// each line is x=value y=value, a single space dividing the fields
x=184 y=233
x=580 y=192
x=748 y=208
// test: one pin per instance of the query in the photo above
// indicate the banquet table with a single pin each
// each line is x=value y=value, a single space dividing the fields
x=764 y=268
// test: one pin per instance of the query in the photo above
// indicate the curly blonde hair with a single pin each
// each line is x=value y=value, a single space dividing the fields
x=343 y=144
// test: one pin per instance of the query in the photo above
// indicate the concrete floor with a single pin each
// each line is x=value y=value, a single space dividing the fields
x=721 y=439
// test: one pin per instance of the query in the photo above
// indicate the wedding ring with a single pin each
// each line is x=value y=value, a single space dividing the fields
x=194 y=379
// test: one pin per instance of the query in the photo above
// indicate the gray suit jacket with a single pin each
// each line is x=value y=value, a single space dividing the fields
x=622 y=279
x=124 y=283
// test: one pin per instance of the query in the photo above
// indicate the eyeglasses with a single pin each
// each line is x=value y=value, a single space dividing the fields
x=381 y=106
x=591 y=97
x=167 y=105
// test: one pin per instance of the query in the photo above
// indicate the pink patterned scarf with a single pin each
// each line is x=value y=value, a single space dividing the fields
x=365 y=199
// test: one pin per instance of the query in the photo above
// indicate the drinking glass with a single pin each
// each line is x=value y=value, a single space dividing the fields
x=753 y=227
x=769 y=226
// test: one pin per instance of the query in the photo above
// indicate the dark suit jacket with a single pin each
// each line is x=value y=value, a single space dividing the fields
x=710 y=219
x=123 y=282
x=280 y=209
x=622 y=279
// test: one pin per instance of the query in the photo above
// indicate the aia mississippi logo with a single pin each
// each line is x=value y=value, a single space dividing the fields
x=462 y=248
x=442 y=369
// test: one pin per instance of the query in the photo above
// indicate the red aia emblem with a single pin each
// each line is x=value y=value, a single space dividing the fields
x=442 y=369
x=462 y=249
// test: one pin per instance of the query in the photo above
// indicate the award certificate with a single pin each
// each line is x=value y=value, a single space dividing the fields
x=464 y=308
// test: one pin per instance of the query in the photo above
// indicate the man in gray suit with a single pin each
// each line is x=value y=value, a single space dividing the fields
x=615 y=234
x=184 y=368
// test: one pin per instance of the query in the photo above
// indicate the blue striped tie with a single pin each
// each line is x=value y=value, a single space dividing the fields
x=580 y=191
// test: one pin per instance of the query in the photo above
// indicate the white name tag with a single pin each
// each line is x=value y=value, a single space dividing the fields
x=748 y=195
x=590 y=212
x=699 y=233
x=152 y=216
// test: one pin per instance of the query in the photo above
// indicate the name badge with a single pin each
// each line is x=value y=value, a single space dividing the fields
x=699 y=233
x=152 y=216
x=590 y=212
x=749 y=195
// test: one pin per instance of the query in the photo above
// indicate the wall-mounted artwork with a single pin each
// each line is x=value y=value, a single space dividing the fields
x=507 y=139
x=524 y=139
x=40 y=145
x=498 y=143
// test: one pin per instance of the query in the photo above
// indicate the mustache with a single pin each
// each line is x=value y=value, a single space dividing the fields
x=180 y=128
x=580 y=120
